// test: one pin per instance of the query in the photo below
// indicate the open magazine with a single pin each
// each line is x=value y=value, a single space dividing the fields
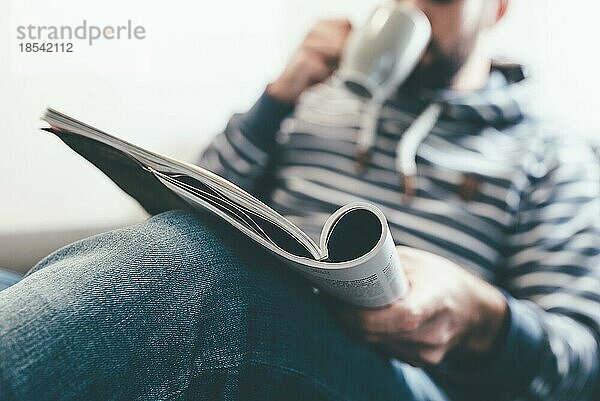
x=355 y=259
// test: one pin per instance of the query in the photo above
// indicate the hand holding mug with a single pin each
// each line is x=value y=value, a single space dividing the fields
x=315 y=60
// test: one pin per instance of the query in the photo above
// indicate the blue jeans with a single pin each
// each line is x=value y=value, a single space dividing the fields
x=8 y=278
x=180 y=307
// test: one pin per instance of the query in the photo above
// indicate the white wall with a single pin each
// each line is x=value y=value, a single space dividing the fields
x=205 y=63
x=558 y=41
x=202 y=61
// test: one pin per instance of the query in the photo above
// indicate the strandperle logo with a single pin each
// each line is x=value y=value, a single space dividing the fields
x=83 y=32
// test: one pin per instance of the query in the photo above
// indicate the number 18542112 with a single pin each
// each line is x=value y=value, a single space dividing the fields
x=49 y=47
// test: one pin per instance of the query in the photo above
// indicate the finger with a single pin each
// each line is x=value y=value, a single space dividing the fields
x=330 y=56
x=312 y=66
x=329 y=51
x=339 y=24
x=437 y=331
x=331 y=34
x=426 y=335
x=445 y=341
x=333 y=41
x=420 y=304
x=400 y=317
x=320 y=72
x=376 y=320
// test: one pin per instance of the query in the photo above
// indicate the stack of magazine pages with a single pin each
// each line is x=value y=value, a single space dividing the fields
x=355 y=259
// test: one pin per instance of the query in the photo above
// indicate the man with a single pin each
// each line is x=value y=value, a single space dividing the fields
x=498 y=234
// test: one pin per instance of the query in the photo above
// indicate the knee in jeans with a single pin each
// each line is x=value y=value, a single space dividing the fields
x=173 y=239
x=178 y=261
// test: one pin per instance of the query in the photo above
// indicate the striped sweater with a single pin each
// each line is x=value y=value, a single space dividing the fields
x=494 y=191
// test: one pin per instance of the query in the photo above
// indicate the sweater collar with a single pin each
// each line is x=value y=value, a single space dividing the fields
x=499 y=103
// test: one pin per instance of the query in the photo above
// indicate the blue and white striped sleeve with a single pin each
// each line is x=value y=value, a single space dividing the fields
x=553 y=277
x=244 y=151
x=549 y=349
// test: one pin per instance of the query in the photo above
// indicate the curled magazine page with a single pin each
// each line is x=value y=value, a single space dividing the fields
x=361 y=264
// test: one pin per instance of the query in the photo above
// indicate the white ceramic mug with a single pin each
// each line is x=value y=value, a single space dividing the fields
x=380 y=55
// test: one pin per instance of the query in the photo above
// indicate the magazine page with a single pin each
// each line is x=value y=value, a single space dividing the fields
x=166 y=166
x=362 y=266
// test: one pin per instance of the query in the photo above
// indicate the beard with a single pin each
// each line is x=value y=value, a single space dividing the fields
x=438 y=68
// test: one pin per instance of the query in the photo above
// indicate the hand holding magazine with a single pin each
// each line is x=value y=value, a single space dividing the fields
x=355 y=260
